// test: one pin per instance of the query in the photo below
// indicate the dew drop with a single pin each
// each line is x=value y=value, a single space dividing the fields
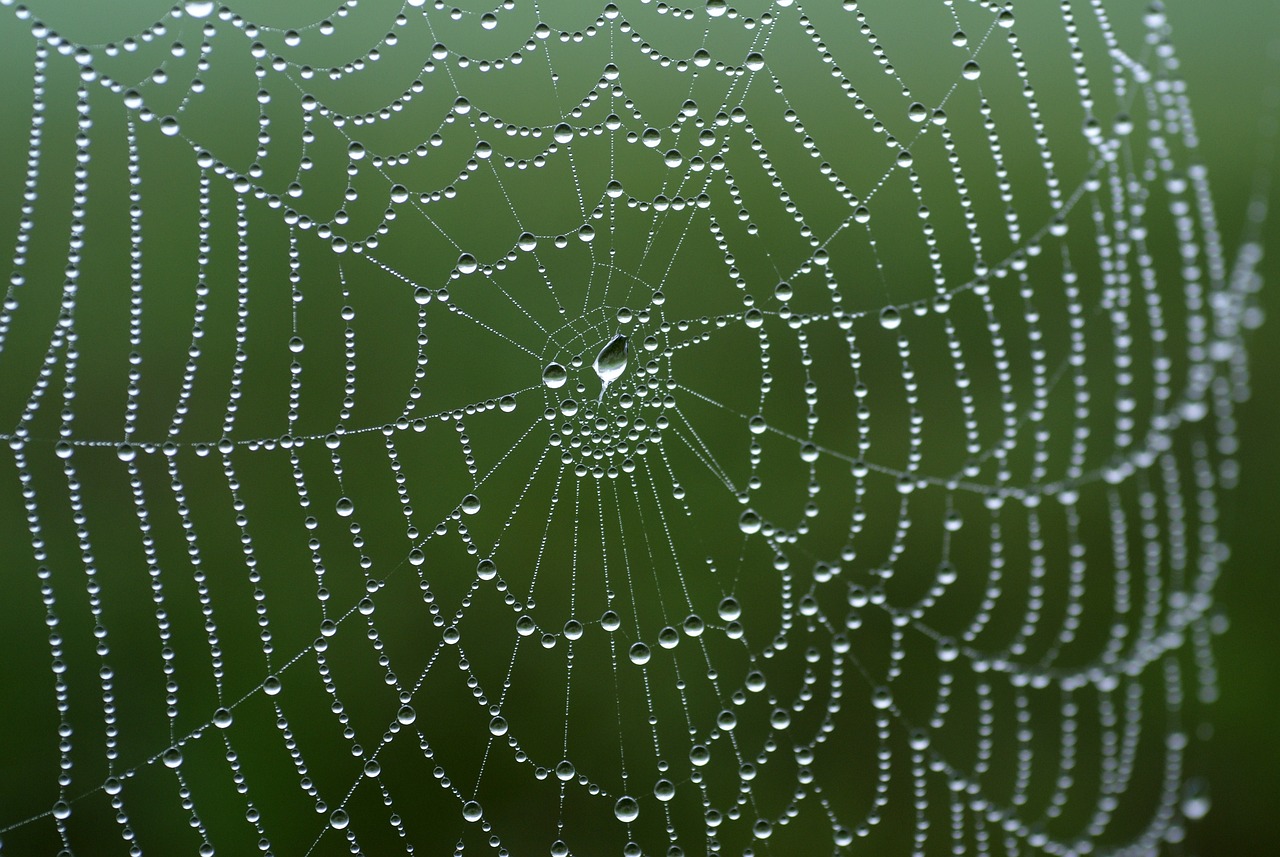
x=467 y=264
x=554 y=376
x=948 y=651
x=626 y=809
x=971 y=70
x=890 y=318
x=611 y=362
x=565 y=771
x=338 y=819
x=471 y=811
x=406 y=715
x=222 y=718
x=344 y=507
x=639 y=654
x=271 y=686
x=498 y=726
x=917 y=112
x=62 y=810
x=172 y=757
x=664 y=790
x=199 y=8
x=749 y=522
x=470 y=504
x=757 y=425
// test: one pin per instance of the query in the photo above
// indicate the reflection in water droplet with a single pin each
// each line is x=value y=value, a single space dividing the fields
x=471 y=811
x=626 y=809
x=639 y=654
x=890 y=318
x=345 y=507
x=554 y=376
x=611 y=362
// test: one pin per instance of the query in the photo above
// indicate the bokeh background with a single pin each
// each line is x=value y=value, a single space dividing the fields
x=1228 y=50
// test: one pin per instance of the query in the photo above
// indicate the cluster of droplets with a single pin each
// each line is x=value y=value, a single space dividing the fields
x=611 y=393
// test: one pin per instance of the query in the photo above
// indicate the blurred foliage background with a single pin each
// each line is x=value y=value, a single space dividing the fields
x=1228 y=54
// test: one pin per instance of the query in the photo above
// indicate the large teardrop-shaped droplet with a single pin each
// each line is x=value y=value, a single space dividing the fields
x=611 y=362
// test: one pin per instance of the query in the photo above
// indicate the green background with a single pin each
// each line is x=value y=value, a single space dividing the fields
x=1231 y=82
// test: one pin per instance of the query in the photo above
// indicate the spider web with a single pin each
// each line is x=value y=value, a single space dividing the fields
x=776 y=429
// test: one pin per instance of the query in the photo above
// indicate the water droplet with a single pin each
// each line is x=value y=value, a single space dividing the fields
x=296 y=345
x=1195 y=801
x=338 y=819
x=749 y=522
x=271 y=685
x=554 y=376
x=754 y=318
x=126 y=452
x=199 y=8
x=971 y=70
x=917 y=112
x=808 y=453
x=947 y=649
x=729 y=609
x=664 y=790
x=471 y=811
x=62 y=810
x=470 y=504
x=882 y=698
x=63 y=449
x=717 y=8
x=611 y=362
x=626 y=809
x=762 y=829
x=406 y=715
x=498 y=726
x=668 y=637
x=467 y=264
x=699 y=755
x=344 y=507
x=565 y=771
x=754 y=61
x=172 y=757
x=372 y=768
x=757 y=425
x=639 y=654
x=222 y=718
x=890 y=318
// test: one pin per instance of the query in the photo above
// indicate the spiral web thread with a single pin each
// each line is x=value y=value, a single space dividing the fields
x=896 y=531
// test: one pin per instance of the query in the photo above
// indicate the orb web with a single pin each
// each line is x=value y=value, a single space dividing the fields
x=772 y=428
